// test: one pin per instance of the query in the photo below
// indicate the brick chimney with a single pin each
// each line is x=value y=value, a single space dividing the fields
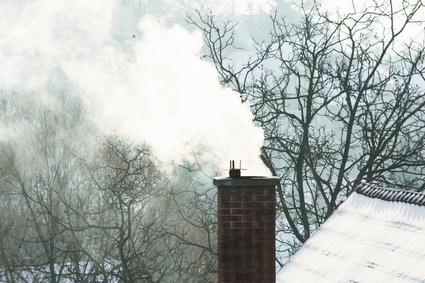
x=246 y=228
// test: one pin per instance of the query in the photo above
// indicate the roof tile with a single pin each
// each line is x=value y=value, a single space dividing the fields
x=374 y=191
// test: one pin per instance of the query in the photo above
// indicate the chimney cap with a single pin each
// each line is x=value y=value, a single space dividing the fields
x=251 y=181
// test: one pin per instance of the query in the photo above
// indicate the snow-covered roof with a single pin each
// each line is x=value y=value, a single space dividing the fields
x=376 y=235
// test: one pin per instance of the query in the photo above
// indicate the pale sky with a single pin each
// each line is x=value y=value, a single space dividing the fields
x=48 y=42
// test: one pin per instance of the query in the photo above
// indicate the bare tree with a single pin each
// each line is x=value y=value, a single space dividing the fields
x=39 y=172
x=193 y=201
x=78 y=206
x=341 y=100
x=155 y=228
x=127 y=181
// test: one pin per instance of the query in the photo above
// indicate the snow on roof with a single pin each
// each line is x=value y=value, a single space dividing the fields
x=376 y=235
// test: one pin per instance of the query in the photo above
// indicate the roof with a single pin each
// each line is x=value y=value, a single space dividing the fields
x=376 y=235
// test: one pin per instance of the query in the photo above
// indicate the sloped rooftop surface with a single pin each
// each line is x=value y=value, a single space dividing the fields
x=376 y=235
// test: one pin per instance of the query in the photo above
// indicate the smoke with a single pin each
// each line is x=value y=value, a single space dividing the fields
x=153 y=88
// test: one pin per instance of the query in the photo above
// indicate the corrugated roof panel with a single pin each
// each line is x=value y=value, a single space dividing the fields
x=366 y=240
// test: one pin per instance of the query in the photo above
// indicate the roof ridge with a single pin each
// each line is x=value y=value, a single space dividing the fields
x=374 y=191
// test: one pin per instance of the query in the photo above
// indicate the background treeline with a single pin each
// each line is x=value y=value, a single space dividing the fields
x=76 y=206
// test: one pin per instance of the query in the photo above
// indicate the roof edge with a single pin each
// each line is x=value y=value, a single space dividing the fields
x=374 y=191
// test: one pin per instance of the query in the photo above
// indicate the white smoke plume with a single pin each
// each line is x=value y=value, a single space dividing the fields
x=153 y=88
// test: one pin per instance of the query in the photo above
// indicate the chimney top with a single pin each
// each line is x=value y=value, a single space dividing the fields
x=252 y=181
x=236 y=180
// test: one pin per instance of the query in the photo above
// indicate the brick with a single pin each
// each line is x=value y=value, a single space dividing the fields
x=263 y=198
x=244 y=211
x=224 y=197
x=222 y=218
x=237 y=224
x=224 y=211
x=230 y=204
x=263 y=224
x=258 y=204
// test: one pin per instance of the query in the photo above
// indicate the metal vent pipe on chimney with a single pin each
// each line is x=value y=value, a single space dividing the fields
x=246 y=227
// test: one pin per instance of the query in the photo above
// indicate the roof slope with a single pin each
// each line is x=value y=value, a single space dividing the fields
x=376 y=235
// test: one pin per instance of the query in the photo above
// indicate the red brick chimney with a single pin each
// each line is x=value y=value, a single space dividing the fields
x=246 y=228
